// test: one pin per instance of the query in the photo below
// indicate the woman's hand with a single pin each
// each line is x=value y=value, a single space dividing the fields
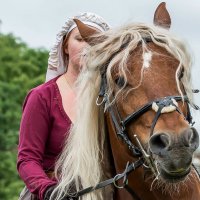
x=49 y=191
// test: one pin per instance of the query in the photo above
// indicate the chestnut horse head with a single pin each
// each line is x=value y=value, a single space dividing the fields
x=136 y=83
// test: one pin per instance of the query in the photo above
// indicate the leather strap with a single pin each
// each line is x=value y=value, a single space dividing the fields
x=103 y=184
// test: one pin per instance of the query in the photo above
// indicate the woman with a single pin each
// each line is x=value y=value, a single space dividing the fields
x=48 y=110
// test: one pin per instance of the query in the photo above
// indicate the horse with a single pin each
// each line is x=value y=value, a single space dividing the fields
x=134 y=125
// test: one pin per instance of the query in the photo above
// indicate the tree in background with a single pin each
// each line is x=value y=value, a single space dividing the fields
x=21 y=68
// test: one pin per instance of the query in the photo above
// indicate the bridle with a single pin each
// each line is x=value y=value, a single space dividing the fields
x=159 y=106
x=120 y=126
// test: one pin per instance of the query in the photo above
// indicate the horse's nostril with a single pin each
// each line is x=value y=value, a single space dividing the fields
x=191 y=138
x=159 y=143
x=188 y=137
x=164 y=140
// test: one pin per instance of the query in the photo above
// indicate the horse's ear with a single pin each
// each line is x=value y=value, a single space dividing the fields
x=86 y=31
x=162 y=17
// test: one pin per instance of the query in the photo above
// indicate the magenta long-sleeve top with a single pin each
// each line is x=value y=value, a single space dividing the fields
x=44 y=127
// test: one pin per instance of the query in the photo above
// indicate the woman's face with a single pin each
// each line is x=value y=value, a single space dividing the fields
x=73 y=48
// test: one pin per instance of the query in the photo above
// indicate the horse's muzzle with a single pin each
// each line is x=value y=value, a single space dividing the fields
x=173 y=153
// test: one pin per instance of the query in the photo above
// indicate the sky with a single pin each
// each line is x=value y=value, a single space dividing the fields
x=37 y=22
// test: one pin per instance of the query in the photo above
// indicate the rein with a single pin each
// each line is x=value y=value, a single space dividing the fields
x=129 y=168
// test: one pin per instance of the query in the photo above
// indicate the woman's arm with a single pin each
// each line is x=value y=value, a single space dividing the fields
x=34 y=133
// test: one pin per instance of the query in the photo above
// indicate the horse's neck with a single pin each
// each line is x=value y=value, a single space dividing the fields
x=141 y=187
x=120 y=158
x=108 y=169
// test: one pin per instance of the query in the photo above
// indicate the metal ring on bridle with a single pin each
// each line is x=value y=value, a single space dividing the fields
x=101 y=102
x=117 y=186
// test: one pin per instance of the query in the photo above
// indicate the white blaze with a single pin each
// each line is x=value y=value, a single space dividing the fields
x=147 y=56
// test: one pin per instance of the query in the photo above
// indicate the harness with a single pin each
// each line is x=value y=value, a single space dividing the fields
x=161 y=105
x=137 y=151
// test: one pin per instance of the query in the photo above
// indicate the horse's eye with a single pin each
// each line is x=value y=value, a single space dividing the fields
x=120 y=82
x=180 y=76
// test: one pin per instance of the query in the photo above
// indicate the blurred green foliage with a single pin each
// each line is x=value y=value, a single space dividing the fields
x=21 y=68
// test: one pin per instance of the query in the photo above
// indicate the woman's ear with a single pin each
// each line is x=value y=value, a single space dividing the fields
x=66 y=49
x=65 y=45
